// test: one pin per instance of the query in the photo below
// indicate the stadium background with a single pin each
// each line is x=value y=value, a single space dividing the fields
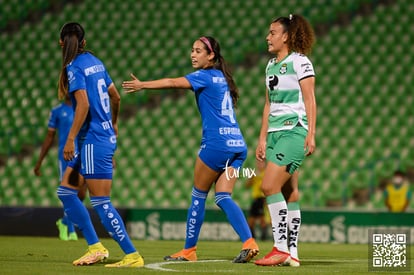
x=363 y=59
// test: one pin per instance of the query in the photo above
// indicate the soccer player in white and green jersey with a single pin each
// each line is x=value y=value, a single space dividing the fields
x=288 y=130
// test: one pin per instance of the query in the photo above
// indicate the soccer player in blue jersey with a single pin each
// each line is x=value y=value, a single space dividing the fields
x=222 y=149
x=96 y=102
x=60 y=120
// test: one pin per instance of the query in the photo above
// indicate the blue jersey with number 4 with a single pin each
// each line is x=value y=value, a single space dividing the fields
x=88 y=73
x=220 y=128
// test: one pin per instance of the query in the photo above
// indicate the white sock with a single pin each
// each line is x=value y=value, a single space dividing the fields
x=278 y=214
x=294 y=221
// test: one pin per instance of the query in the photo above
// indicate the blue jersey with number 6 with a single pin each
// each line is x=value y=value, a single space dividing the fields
x=88 y=73
x=220 y=128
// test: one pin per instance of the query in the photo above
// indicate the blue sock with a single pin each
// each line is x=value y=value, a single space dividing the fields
x=234 y=215
x=195 y=217
x=113 y=223
x=71 y=227
x=68 y=223
x=77 y=213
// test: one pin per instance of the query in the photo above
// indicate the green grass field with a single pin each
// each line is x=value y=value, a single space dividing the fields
x=39 y=255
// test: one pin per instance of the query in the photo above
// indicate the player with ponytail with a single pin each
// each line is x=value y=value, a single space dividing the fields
x=96 y=103
x=223 y=149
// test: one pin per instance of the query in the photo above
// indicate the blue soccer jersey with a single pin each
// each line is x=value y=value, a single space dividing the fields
x=88 y=73
x=60 y=119
x=97 y=137
x=220 y=128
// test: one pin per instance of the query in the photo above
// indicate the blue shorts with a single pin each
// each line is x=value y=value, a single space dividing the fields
x=219 y=160
x=62 y=167
x=94 y=161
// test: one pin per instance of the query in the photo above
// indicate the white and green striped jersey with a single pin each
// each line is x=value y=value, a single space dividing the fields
x=282 y=80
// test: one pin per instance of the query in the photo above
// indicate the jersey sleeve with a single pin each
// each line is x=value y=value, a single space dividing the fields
x=197 y=79
x=303 y=67
x=76 y=79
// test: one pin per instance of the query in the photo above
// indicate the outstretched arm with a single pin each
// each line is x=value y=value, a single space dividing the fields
x=136 y=85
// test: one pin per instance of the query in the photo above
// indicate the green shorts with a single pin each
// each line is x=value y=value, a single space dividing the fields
x=285 y=148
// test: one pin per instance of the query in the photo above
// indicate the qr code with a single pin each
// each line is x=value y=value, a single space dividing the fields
x=389 y=251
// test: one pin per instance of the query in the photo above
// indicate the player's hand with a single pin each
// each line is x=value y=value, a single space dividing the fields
x=310 y=145
x=133 y=85
x=261 y=151
x=36 y=170
x=69 y=150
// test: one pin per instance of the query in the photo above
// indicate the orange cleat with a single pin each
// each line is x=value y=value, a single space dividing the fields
x=188 y=254
x=275 y=257
x=249 y=250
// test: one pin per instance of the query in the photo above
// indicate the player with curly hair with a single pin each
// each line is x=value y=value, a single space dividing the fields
x=287 y=134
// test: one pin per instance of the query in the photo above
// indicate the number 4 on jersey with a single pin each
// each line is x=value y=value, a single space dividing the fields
x=227 y=107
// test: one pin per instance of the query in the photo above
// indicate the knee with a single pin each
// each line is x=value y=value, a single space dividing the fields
x=268 y=189
x=294 y=195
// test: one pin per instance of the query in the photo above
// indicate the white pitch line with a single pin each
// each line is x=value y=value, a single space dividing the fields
x=159 y=266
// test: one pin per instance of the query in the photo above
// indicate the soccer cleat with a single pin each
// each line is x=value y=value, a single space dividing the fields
x=95 y=253
x=294 y=262
x=63 y=230
x=130 y=260
x=275 y=257
x=188 y=254
x=245 y=255
x=250 y=249
x=291 y=262
x=73 y=236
